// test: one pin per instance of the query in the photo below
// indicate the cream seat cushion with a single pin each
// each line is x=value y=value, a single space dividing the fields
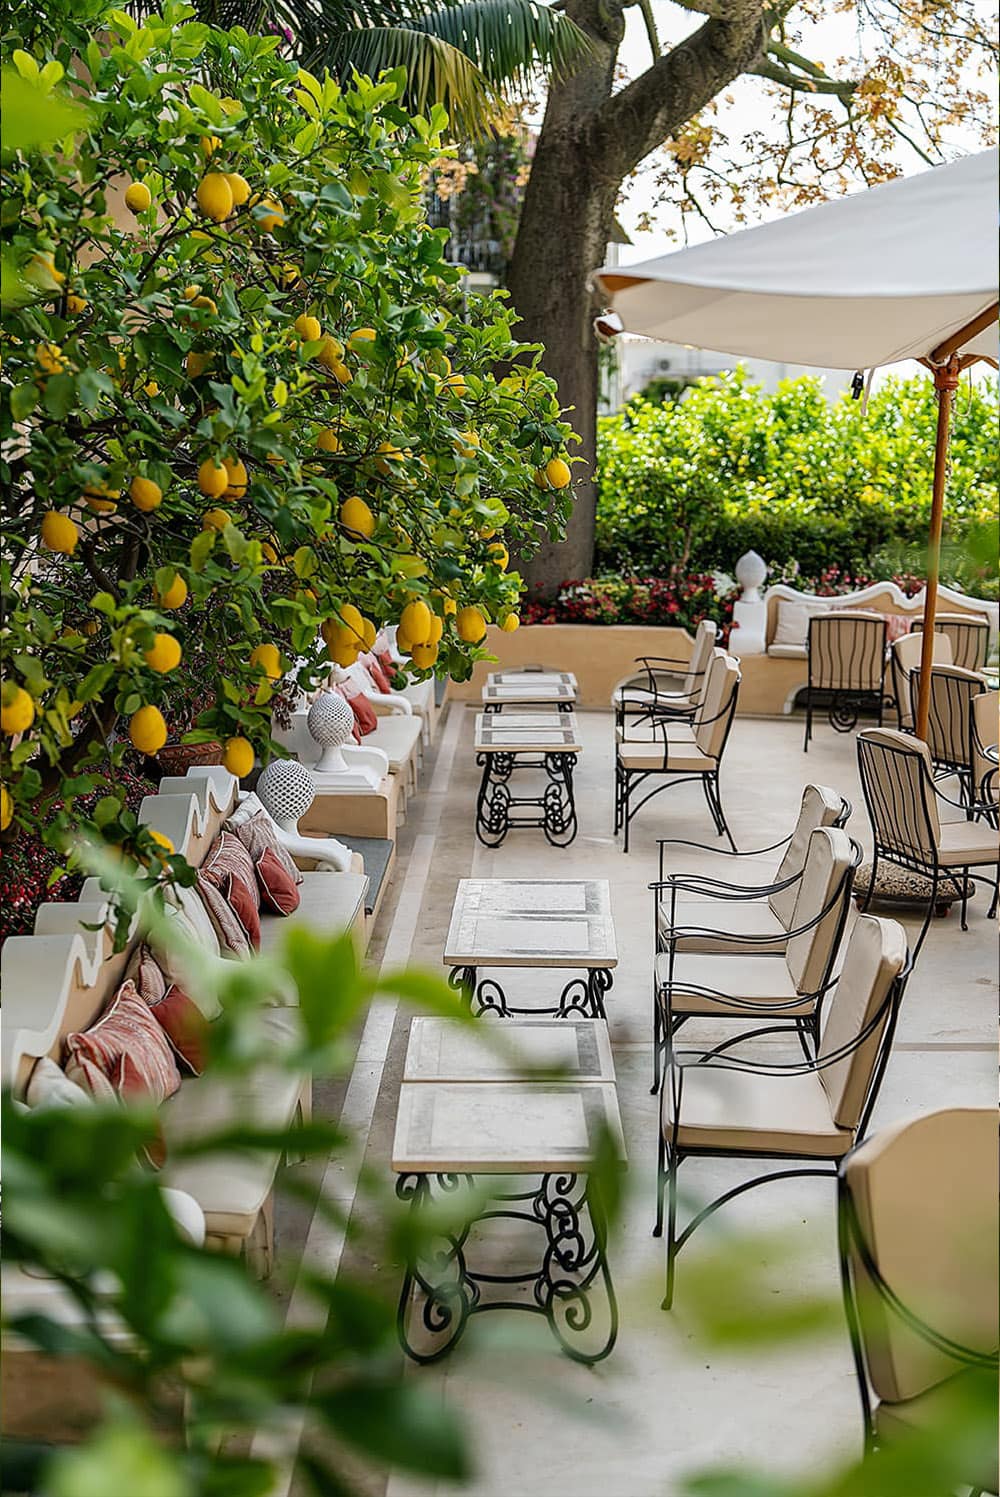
x=735 y=917
x=965 y=843
x=761 y=980
x=399 y=738
x=936 y=1409
x=788 y=652
x=742 y=1112
x=328 y=902
x=231 y=1188
x=648 y=732
x=682 y=759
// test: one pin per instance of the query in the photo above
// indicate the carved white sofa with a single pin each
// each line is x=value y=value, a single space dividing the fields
x=773 y=658
x=60 y=979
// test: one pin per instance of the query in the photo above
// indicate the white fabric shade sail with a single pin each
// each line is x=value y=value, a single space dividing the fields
x=881 y=275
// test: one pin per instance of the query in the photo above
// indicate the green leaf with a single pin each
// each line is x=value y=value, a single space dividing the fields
x=23 y=399
x=32 y=116
x=399 y=1424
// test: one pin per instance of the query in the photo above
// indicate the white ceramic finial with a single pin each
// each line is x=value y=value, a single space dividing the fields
x=751 y=572
x=286 y=791
x=330 y=722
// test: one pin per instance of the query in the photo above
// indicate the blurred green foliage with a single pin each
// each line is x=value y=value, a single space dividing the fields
x=728 y=468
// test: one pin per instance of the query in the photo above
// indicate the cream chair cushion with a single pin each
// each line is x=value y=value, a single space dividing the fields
x=875 y=956
x=899 y=787
x=760 y=980
x=828 y=859
x=738 y=918
x=967 y=844
x=847 y=651
x=985 y=709
x=329 y=902
x=743 y=1112
x=820 y=806
x=926 y=1200
x=681 y=759
x=712 y=719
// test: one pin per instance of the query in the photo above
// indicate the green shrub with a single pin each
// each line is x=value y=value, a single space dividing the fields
x=729 y=468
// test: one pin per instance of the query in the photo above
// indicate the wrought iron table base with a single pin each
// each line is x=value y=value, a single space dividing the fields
x=495 y=803
x=491 y=708
x=446 y=1292
x=582 y=995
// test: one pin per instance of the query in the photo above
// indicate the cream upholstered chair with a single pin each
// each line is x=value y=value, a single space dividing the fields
x=969 y=636
x=949 y=721
x=765 y=905
x=812 y=1111
x=672 y=752
x=846 y=651
x=904 y=657
x=902 y=800
x=648 y=694
x=918 y=1263
x=774 y=991
x=983 y=735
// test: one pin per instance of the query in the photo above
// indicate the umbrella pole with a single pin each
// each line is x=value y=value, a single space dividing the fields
x=946 y=378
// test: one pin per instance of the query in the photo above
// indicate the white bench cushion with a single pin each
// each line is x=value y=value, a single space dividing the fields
x=328 y=901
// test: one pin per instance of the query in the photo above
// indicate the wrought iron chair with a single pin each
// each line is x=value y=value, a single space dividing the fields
x=767 y=903
x=777 y=991
x=647 y=695
x=846 y=652
x=814 y=1110
x=983 y=735
x=671 y=753
x=949 y=722
x=902 y=800
x=918 y=1267
x=969 y=636
x=904 y=657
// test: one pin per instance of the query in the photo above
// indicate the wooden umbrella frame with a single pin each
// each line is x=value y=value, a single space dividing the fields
x=946 y=362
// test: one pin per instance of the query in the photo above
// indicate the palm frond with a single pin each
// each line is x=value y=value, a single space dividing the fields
x=437 y=72
x=510 y=41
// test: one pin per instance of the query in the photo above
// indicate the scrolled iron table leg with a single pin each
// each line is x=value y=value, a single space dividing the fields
x=439 y=1283
x=574 y=1264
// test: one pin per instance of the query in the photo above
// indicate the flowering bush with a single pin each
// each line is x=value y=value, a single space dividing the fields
x=680 y=601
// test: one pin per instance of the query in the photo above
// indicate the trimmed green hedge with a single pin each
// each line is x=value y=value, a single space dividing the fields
x=808 y=484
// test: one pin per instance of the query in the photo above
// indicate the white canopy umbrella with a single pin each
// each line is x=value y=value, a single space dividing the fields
x=903 y=271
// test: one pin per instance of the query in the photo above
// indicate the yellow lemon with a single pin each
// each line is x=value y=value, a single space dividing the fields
x=328 y=441
x=368 y=633
x=210 y=144
x=137 y=197
x=59 y=533
x=160 y=840
x=238 y=756
x=268 y=659
x=466 y=444
x=195 y=364
x=214 y=196
x=308 y=328
x=471 y=625
x=424 y=656
x=387 y=455
x=273 y=216
x=456 y=385
x=6 y=808
x=190 y=292
x=450 y=607
x=360 y=338
x=268 y=552
x=352 y=620
x=487 y=533
x=76 y=304
x=152 y=388
x=415 y=622
x=174 y=596
x=49 y=358
x=557 y=472
x=437 y=629
x=239 y=187
x=213 y=480
x=216 y=519
x=499 y=556
x=331 y=352
x=145 y=494
x=355 y=515
x=164 y=654
x=541 y=478
x=17 y=710
x=438 y=363
x=147 y=730
x=403 y=645
x=344 y=654
x=99 y=505
x=237 y=476
x=341 y=373
x=510 y=623
x=205 y=304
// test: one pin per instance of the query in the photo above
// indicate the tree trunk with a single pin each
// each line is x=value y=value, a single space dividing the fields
x=589 y=141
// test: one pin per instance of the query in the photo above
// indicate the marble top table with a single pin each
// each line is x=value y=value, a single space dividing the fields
x=546 y=741
x=527 y=733
x=534 y=923
x=574 y=1050
x=529 y=688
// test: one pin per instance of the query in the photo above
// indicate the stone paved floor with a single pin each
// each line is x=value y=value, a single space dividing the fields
x=665 y=1403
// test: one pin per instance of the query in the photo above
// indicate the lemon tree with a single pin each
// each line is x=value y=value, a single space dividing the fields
x=249 y=414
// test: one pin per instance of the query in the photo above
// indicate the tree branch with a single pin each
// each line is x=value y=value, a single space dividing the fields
x=798 y=84
x=679 y=84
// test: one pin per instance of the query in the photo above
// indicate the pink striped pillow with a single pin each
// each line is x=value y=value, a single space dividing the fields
x=124 y=1054
x=229 y=868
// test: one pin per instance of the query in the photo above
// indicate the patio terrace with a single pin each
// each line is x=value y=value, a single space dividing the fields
x=664 y=1404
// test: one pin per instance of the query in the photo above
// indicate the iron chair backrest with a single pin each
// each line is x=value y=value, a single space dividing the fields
x=847 y=651
x=824 y=896
x=918 y=1245
x=949 y=735
x=984 y=710
x=714 y=716
x=898 y=786
x=820 y=806
x=970 y=637
x=904 y=657
x=860 y=1019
